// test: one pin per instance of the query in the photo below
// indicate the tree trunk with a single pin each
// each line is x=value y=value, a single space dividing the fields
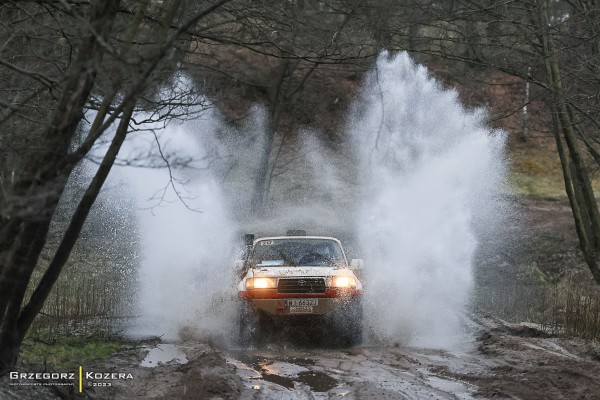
x=262 y=174
x=30 y=242
x=577 y=181
x=43 y=183
x=61 y=256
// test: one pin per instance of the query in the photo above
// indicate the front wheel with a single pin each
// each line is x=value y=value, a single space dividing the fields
x=248 y=324
x=348 y=323
x=352 y=333
x=254 y=325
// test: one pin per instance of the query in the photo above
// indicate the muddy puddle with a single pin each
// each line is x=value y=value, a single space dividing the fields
x=360 y=372
x=287 y=372
x=165 y=353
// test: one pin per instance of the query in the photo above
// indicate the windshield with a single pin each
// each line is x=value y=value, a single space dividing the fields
x=306 y=252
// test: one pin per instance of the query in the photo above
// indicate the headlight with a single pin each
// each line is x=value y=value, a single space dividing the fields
x=261 y=283
x=343 y=282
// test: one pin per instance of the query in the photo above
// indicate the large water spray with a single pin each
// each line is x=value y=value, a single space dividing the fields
x=431 y=176
x=185 y=279
x=414 y=196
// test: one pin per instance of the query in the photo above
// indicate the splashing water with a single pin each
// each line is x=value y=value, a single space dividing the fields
x=430 y=179
x=431 y=174
x=185 y=277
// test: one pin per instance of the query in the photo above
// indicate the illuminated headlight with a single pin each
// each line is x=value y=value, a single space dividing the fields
x=343 y=282
x=261 y=283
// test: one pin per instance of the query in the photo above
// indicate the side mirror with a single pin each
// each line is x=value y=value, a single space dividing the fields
x=248 y=239
x=239 y=265
x=357 y=264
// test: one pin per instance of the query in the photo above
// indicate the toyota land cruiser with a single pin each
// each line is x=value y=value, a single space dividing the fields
x=299 y=277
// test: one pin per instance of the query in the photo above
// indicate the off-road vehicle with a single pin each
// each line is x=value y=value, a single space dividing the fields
x=299 y=279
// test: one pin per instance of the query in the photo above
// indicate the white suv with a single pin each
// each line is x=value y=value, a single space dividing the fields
x=298 y=277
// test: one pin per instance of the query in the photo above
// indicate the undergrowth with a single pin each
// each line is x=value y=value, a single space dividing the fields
x=69 y=353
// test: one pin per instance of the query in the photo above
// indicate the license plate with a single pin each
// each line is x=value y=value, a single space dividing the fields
x=301 y=310
x=302 y=302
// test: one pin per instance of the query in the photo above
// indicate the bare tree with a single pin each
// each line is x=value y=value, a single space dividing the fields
x=288 y=56
x=551 y=45
x=104 y=55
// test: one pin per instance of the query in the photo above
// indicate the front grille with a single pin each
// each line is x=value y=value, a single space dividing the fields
x=301 y=285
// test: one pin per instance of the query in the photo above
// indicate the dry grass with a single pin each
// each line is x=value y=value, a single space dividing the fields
x=581 y=309
x=569 y=307
x=93 y=295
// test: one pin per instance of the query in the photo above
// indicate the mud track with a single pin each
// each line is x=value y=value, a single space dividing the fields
x=502 y=361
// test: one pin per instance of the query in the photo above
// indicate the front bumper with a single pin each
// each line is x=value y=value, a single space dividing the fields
x=302 y=304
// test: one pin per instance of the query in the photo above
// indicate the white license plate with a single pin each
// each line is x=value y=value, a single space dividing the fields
x=302 y=302
x=301 y=310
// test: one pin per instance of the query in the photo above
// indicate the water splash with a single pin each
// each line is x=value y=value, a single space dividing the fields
x=422 y=184
x=185 y=280
x=432 y=174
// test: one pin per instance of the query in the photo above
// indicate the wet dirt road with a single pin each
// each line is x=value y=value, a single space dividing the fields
x=499 y=360
x=356 y=373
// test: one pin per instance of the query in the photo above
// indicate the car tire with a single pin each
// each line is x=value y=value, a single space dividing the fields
x=347 y=322
x=248 y=324
x=254 y=326
x=352 y=335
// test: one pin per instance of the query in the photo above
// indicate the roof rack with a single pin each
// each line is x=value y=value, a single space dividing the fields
x=296 y=232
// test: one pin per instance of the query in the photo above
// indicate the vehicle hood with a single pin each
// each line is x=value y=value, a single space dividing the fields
x=282 y=272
